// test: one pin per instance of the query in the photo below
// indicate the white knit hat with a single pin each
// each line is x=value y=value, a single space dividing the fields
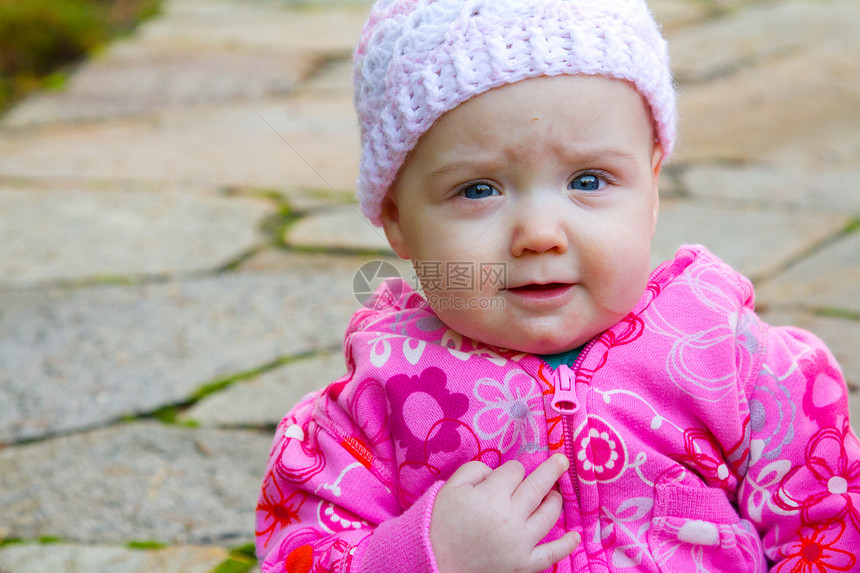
x=418 y=59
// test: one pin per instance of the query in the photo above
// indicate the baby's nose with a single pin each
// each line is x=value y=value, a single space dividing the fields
x=538 y=228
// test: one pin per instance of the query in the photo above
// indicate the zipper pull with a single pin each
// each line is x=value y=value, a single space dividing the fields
x=564 y=399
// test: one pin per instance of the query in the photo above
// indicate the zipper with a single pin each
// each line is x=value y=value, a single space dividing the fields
x=564 y=399
x=566 y=404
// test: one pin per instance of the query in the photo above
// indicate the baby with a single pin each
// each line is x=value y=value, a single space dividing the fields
x=554 y=405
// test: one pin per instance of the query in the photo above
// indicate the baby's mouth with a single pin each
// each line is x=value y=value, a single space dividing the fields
x=545 y=290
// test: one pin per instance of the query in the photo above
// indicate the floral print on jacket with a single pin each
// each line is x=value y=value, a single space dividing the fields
x=701 y=439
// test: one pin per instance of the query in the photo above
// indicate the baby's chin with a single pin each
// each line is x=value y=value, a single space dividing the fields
x=538 y=346
x=547 y=348
x=546 y=335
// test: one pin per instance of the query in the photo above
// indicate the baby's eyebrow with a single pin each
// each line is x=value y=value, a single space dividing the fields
x=464 y=165
x=601 y=154
x=573 y=153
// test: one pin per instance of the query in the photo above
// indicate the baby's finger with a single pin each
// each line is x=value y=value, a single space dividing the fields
x=470 y=473
x=545 y=516
x=533 y=489
x=507 y=477
x=548 y=554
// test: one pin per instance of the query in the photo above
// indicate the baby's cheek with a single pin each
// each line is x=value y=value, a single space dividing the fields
x=627 y=289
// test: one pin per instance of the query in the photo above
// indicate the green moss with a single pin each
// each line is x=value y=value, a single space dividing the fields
x=39 y=37
x=167 y=415
x=223 y=383
x=36 y=36
x=146 y=545
x=842 y=313
x=49 y=539
x=248 y=550
x=232 y=565
x=852 y=227
x=241 y=560
x=170 y=414
x=55 y=82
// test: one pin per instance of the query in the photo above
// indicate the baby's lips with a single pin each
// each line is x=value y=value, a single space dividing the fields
x=538 y=285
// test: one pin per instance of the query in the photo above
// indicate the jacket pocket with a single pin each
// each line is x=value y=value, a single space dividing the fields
x=697 y=529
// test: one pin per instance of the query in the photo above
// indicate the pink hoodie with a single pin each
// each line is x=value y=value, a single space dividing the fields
x=700 y=439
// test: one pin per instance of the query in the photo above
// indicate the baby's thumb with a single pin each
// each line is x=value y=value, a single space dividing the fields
x=471 y=473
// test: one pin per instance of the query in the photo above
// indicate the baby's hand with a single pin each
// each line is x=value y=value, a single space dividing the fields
x=492 y=520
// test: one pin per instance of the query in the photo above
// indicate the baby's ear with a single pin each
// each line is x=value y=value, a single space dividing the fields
x=390 y=216
x=657 y=160
x=656 y=166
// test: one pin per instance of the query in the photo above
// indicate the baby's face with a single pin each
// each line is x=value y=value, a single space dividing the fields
x=529 y=211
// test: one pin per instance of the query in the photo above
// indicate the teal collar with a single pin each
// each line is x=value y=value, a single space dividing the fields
x=556 y=360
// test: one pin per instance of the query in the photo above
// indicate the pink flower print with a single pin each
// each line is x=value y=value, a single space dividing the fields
x=824 y=388
x=299 y=459
x=814 y=552
x=511 y=411
x=554 y=427
x=626 y=331
x=703 y=454
x=600 y=452
x=826 y=488
x=276 y=510
x=371 y=424
x=425 y=414
x=312 y=551
x=772 y=416
x=335 y=519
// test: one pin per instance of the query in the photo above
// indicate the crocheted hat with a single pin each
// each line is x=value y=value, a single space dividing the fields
x=418 y=59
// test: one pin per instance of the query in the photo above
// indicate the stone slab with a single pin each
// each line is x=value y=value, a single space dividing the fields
x=675 y=14
x=751 y=36
x=840 y=335
x=308 y=199
x=264 y=400
x=274 y=260
x=829 y=279
x=136 y=79
x=835 y=147
x=833 y=188
x=309 y=144
x=199 y=53
x=78 y=358
x=756 y=240
x=339 y=227
x=328 y=28
x=135 y=481
x=68 y=558
x=806 y=99
x=70 y=234
x=333 y=79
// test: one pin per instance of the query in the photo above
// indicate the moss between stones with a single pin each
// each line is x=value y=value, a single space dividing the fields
x=39 y=37
x=146 y=545
x=241 y=560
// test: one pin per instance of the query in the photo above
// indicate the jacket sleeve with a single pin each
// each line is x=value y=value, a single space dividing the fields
x=802 y=487
x=329 y=503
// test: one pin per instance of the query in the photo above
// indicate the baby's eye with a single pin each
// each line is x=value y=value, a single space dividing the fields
x=587 y=182
x=479 y=191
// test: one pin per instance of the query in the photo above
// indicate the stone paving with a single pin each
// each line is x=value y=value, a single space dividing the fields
x=178 y=241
